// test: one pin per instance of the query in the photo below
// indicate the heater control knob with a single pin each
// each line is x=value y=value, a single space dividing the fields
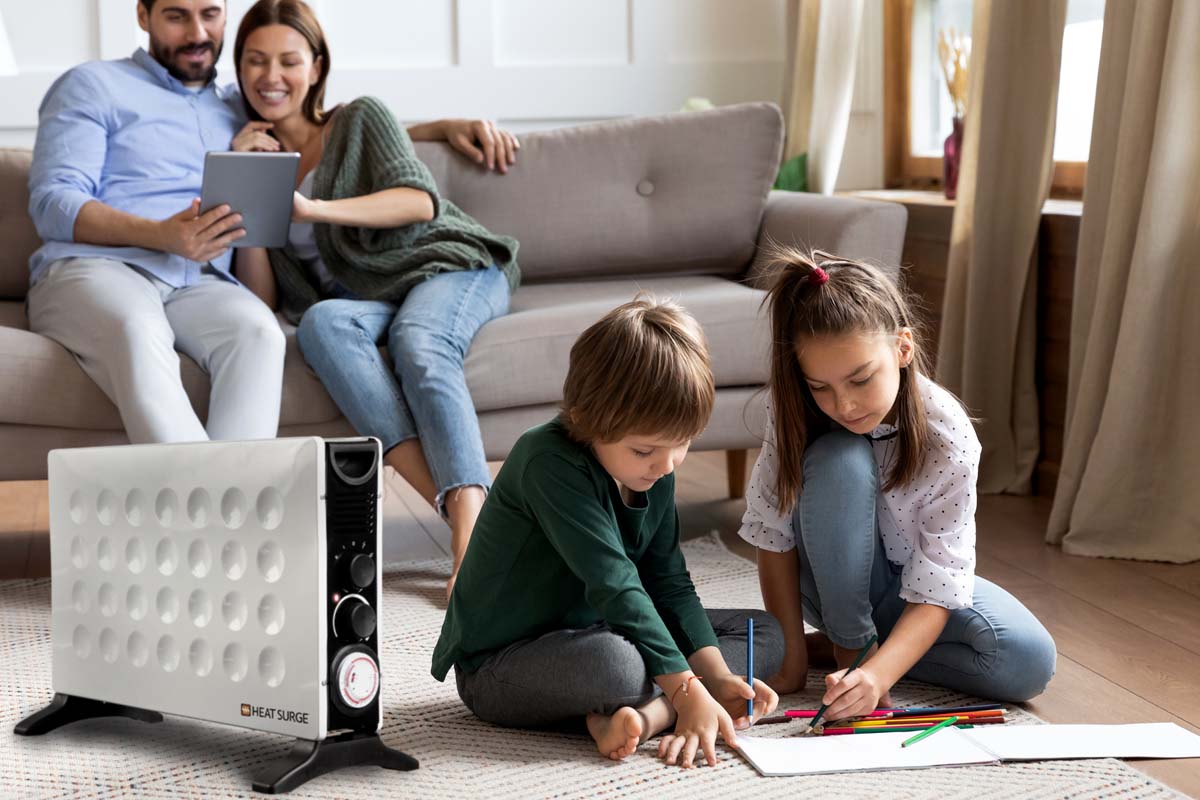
x=360 y=570
x=353 y=618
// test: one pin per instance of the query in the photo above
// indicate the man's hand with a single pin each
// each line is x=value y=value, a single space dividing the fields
x=482 y=142
x=200 y=237
x=254 y=138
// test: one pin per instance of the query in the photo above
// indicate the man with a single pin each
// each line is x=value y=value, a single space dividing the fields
x=125 y=277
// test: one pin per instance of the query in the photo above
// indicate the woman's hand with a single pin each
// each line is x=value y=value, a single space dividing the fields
x=855 y=694
x=700 y=719
x=732 y=692
x=482 y=142
x=303 y=209
x=253 y=138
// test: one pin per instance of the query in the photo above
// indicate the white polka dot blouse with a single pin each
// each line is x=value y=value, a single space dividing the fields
x=928 y=526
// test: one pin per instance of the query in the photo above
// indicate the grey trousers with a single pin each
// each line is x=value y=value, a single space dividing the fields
x=124 y=329
x=557 y=679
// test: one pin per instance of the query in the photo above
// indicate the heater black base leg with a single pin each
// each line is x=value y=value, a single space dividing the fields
x=65 y=709
x=309 y=759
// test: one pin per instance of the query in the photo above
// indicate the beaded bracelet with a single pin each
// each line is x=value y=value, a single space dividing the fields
x=684 y=687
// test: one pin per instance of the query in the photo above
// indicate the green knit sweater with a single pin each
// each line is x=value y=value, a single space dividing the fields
x=367 y=152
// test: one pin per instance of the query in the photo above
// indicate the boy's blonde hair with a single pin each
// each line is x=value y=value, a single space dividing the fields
x=642 y=369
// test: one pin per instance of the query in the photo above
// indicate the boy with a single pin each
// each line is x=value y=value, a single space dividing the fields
x=574 y=602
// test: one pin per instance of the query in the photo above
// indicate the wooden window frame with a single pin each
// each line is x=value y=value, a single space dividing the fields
x=901 y=168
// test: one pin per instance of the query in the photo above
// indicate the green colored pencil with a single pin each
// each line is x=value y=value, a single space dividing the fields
x=930 y=732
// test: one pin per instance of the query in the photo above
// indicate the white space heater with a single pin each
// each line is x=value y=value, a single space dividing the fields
x=234 y=582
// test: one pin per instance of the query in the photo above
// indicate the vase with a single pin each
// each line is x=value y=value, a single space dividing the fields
x=951 y=153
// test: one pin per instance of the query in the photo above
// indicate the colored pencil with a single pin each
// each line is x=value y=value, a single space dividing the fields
x=979 y=715
x=857 y=660
x=900 y=723
x=930 y=732
x=916 y=729
x=810 y=714
x=750 y=664
x=920 y=712
x=923 y=721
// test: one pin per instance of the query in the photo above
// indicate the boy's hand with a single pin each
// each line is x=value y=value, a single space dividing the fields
x=732 y=692
x=855 y=694
x=700 y=719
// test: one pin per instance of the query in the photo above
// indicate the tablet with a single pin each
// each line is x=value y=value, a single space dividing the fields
x=259 y=186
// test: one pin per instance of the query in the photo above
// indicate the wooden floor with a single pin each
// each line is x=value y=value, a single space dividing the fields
x=1128 y=633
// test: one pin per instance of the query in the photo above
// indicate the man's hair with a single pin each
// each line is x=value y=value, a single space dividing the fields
x=643 y=369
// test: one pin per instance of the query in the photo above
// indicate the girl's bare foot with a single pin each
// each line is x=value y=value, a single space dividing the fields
x=616 y=736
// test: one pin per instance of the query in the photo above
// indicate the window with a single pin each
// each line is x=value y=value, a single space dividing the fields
x=918 y=111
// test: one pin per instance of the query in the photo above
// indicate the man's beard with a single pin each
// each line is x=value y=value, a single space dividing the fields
x=192 y=73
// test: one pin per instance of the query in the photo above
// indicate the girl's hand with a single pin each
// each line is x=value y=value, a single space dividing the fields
x=700 y=719
x=254 y=138
x=855 y=694
x=732 y=692
x=303 y=209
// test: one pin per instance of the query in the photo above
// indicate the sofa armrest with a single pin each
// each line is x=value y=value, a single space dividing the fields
x=866 y=230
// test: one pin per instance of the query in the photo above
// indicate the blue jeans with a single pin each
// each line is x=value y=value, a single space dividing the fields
x=423 y=392
x=849 y=590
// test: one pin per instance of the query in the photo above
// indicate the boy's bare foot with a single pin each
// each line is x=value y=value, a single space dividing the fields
x=820 y=650
x=616 y=736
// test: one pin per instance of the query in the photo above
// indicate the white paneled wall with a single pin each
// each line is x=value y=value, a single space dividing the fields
x=527 y=63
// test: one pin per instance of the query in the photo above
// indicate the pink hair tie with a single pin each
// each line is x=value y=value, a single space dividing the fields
x=818 y=276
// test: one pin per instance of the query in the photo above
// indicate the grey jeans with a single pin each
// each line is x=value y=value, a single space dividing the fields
x=560 y=677
x=125 y=328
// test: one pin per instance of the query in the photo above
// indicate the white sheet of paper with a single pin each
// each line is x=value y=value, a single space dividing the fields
x=810 y=755
x=1043 y=742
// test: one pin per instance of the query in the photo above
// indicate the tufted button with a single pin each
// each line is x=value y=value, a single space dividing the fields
x=645 y=188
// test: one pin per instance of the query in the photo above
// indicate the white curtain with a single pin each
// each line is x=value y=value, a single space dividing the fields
x=823 y=56
x=1129 y=483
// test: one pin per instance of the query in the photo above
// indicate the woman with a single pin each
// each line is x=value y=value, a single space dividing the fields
x=375 y=255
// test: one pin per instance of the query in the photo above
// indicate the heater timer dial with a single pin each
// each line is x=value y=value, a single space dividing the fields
x=357 y=679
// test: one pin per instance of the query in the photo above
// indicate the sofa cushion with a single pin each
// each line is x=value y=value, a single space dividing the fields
x=17 y=233
x=45 y=386
x=521 y=359
x=677 y=193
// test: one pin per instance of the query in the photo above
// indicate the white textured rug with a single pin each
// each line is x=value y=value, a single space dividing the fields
x=460 y=757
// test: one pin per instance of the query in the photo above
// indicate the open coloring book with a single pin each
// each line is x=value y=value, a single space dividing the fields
x=810 y=755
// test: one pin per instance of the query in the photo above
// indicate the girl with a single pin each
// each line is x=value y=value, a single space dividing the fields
x=862 y=503
x=376 y=255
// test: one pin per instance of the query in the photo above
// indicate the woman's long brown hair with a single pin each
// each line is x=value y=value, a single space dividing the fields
x=856 y=298
x=300 y=18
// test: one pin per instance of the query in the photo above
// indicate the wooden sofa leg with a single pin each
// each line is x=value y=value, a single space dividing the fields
x=735 y=468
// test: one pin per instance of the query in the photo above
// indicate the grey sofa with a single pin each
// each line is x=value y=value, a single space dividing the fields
x=679 y=205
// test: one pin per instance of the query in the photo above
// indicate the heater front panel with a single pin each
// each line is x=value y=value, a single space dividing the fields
x=187 y=579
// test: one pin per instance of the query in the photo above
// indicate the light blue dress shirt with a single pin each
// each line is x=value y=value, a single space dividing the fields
x=130 y=135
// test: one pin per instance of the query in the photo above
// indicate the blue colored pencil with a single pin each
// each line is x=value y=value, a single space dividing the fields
x=750 y=664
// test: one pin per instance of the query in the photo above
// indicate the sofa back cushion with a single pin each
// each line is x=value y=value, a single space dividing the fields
x=18 y=238
x=677 y=193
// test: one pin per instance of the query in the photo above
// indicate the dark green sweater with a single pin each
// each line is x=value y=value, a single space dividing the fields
x=368 y=152
x=556 y=547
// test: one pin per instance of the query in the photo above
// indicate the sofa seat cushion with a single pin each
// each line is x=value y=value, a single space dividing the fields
x=521 y=359
x=45 y=386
